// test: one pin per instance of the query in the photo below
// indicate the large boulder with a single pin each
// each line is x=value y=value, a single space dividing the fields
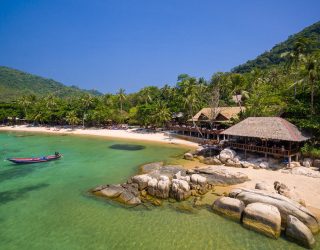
x=229 y=207
x=264 y=186
x=188 y=156
x=307 y=162
x=152 y=186
x=212 y=161
x=163 y=187
x=226 y=154
x=316 y=163
x=219 y=175
x=285 y=206
x=264 y=165
x=179 y=176
x=180 y=189
x=299 y=232
x=142 y=180
x=198 y=179
x=282 y=189
x=262 y=218
x=294 y=164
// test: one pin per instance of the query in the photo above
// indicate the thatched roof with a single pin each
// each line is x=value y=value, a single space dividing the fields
x=212 y=113
x=274 y=128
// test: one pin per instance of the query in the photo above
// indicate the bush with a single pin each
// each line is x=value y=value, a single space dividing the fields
x=311 y=151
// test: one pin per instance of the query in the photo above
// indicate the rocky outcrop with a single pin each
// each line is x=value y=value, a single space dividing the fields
x=125 y=193
x=263 y=218
x=141 y=180
x=180 y=189
x=188 y=156
x=285 y=206
x=282 y=189
x=198 y=179
x=294 y=164
x=179 y=176
x=227 y=154
x=307 y=162
x=264 y=186
x=303 y=171
x=147 y=168
x=211 y=161
x=219 y=175
x=299 y=232
x=229 y=207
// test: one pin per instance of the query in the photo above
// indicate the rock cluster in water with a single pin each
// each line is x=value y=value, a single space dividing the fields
x=268 y=213
x=170 y=181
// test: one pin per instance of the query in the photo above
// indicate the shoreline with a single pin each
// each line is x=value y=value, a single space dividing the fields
x=130 y=134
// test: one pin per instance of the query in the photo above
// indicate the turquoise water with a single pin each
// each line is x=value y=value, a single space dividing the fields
x=47 y=206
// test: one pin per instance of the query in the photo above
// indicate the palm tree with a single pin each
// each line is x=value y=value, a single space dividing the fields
x=25 y=103
x=121 y=97
x=72 y=118
x=162 y=114
x=86 y=102
x=312 y=75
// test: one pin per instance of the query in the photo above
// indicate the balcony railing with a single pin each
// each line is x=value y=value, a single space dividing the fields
x=261 y=149
x=196 y=130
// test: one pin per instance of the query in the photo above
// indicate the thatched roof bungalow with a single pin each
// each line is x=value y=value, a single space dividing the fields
x=269 y=135
x=219 y=114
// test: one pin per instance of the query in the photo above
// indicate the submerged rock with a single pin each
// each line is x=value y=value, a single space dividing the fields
x=229 y=207
x=112 y=191
x=151 y=167
x=299 y=232
x=263 y=218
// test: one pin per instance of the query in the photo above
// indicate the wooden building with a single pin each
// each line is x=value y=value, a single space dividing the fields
x=210 y=123
x=268 y=135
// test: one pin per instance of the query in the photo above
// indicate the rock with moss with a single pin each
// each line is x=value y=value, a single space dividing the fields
x=262 y=218
x=229 y=207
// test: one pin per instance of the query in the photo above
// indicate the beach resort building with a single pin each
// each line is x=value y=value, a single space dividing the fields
x=210 y=123
x=273 y=136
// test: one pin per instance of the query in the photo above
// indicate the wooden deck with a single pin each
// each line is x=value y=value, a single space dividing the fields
x=261 y=149
x=195 y=130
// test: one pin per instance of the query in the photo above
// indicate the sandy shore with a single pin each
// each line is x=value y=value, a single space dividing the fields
x=306 y=187
x=130 y=134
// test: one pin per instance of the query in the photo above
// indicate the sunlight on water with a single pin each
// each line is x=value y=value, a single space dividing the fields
x=47 y=206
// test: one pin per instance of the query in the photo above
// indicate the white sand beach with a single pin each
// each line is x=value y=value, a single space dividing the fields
x=130 y=134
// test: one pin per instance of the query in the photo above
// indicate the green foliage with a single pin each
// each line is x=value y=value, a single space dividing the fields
x=309 y=36
x=15 y=83
x=311 y=151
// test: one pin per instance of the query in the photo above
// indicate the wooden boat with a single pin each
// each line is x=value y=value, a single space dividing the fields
x=56 y=156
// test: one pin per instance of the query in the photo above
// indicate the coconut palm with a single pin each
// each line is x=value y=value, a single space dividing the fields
x=72 y=118
x=25 y=103
x=86 y=103
x=312 y=69
x=162 y=114
x=121 y=97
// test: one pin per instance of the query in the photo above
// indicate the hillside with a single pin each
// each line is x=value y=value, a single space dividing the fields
x=273 y=57
x=15 y=83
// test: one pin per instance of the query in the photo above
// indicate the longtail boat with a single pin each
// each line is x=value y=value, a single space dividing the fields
x=56 y=156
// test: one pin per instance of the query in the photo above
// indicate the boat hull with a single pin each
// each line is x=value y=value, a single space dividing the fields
x=34 y=160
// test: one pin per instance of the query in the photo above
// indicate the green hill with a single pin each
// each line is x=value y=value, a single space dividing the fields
x=274 y=56
x=15 y=83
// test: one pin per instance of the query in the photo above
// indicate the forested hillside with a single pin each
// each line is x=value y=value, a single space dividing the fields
x=277 y=55
x=14 y=83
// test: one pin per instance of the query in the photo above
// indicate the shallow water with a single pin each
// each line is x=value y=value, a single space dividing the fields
x=47 y=206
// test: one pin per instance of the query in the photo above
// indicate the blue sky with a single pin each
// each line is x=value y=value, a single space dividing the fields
x=105 y=45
